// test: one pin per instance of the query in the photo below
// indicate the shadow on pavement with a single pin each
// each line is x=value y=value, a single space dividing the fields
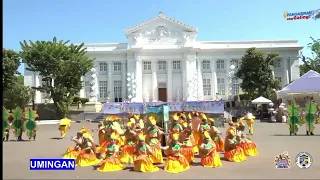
x=293 y=135
x=57 y=138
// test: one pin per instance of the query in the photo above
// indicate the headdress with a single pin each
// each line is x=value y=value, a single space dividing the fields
x=183 y=116
x=137 y=116
x=175 y=117
x=189 y=116
x=142 y=137
x=206 y=135
x=185 y=124
x=249 y=116
x=210 y=119
x=241 y=124
x=113 y=136
x=152 y=120
x=83 y=129
x=195 y=113
x=131 y=115
x=129 y=124
x=101 y=127
x=132 y=120
x=175 y=136
x=203 y=116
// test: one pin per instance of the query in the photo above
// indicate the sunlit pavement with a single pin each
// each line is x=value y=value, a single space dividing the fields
x=271 y=139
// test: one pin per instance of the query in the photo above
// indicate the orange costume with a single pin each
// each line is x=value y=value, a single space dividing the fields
x=126 y=154
x=142 y=162
x=176 y=162
x=175 y=127
x=209 y=156
x=216 y=137
x=203 y=127
x=186 y=138
x=153 y=140
x=233 y=152
x=249 y=147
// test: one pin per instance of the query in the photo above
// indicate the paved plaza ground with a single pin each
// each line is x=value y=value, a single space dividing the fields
x=271 y=139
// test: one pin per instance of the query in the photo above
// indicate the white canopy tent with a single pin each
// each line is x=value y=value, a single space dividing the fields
x=261 y=100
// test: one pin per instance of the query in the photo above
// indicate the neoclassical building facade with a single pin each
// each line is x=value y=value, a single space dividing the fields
x=163 y=61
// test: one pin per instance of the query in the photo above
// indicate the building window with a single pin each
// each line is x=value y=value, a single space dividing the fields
x=87 y=89
x=206 y=87
x=117 y=91
x=162 y=65
x=103 y=66
x=277 y=64
x=103 y=89
x=117 y=66
x=235 y=62
x=221 y=86
x=205 y=65
x=176 y=65
x=220 y=64
x=235 y=87
x=147 y=65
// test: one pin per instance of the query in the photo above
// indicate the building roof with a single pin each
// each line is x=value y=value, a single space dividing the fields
x=160 y=16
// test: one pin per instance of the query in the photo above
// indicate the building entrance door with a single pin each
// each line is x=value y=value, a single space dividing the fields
x=162 y=94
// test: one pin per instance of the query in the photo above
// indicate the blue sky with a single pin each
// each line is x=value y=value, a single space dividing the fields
x=105 y=20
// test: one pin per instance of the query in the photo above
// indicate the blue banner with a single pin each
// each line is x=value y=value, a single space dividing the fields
x=141 y=108
x=52 y=164
x=112 y=108
x=204 y=106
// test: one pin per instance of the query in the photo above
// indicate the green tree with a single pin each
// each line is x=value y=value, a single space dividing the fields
x=61 y=66
x=256 y=73
x=18 y=95
x=311 y=63
x=317 y=14
x=11 y=63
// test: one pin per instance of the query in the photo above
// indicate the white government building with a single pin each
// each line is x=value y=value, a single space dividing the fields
x=163 y=61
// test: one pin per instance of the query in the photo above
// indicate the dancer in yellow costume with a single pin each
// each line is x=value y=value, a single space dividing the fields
x=112 y=161
x=101 y=133
x=248 y=146
x=209 y=156
x=233 y=152
x=86 y=133
x=73 y=152
x=176 y=162
x=194 y=138
x=153 y=139
x=203 y=127
x=126 y=155
x=250 y=120
x=139 y=120
x=87 y=155
x=187 y=145
x=195 y=124
x=142 y=162
x=216 y=136
x=64 y=125
x=175 y=127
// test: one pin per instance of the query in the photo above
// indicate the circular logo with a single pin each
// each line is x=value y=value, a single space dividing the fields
x=304 y=160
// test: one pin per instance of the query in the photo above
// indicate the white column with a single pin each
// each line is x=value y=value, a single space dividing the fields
x=110 y=81
x=227 y=64
x=169 y=80
x=154 y=81
x=37 y=84
x=286 y=72
x=184 y=78
x=190 y=71
x=123 y=80
x=214 y=88
x=82 y=91
x=200 y=80
x=138 y=76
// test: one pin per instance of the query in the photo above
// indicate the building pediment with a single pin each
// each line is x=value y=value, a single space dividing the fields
x=161 y=30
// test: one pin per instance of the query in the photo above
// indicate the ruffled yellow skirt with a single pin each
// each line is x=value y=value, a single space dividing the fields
x=249 y=149
x=63 y=130
x=72 y=153
x=87 y=159
x=235 y=155
x=143 y=163
x=188 y=153
x=212 y=160
x=157 y=158
x=220 y=145
x=111 y=164
x=176 y=164
x=126 y=155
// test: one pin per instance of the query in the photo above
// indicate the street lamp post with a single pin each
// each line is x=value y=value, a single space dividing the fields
x=131 y=85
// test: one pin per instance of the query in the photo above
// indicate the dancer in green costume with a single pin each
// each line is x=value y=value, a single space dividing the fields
x=294 y=119
x=310 y=117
